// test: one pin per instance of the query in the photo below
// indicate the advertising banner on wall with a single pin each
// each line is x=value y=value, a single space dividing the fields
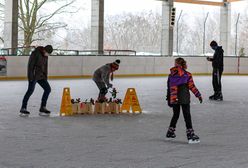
x=3 y=64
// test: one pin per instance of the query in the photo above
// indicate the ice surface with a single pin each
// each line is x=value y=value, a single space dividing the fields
x=124 y=141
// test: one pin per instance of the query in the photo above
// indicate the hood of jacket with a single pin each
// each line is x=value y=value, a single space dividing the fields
x=219 y=48
x=41 y=49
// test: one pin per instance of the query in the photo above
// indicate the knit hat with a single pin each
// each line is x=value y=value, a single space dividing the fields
x=49 y=49
x=115 y=64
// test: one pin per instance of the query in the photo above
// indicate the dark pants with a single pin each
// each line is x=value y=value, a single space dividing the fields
x=216 y=81
x=102 y=89
x=31 y=86
x=186 y=115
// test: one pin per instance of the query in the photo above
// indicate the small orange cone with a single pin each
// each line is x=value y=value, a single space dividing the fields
x=66 y=106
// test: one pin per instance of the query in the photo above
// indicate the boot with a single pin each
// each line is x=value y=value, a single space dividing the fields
x=44 y=111
x=171 y=133
x=192 y=137
x=213 y=96
x=24 y=112
x=219 y=96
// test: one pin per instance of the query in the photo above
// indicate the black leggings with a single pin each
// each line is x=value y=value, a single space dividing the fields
x=186 y=115
x=102 y=89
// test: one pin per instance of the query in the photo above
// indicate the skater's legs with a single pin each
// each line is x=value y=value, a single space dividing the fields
x=47 y=90
x=102 y=89
x=176 y=113
x=215 y=80
x=187 y=115
x=31 y=87
x=219 y=87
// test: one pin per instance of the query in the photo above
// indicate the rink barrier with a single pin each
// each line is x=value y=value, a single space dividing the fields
x=131 y=66
x=4 y=78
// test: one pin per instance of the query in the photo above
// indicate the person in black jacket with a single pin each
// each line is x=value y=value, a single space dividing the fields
x=218 y=67
x=37 y=73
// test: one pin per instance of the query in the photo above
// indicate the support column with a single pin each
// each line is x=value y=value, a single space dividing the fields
x=167 y=31
x=97 y=25
x=11 y=25
x=225 y=28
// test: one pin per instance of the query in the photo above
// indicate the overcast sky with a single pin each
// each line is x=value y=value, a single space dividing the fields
x=113 y=7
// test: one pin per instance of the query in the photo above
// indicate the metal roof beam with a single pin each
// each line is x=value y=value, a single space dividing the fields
x=199 y=2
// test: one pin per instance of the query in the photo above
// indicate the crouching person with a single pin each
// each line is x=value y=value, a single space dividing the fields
x=101 y=77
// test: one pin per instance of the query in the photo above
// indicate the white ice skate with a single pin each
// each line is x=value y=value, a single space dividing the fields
x=24 y=112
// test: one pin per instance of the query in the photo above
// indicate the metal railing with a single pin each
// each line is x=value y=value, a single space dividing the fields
x=21 y=51
x=26 y=51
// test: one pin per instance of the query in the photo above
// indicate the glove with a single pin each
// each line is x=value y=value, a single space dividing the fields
x=200 y=99
x=170 y=105
x=168 y=102
x=110 y=85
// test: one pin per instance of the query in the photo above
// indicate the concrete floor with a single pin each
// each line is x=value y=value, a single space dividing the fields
x=124 y=141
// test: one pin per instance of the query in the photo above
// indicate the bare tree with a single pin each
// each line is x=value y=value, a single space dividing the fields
x=183 y=31
x=243 y=33
x=1 y=20
x=191 y=33
x=140 y=32
x=33 y=22
x=1 y=11
x=82 y=40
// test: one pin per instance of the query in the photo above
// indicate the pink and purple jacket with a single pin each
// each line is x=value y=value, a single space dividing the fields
x=179 y=76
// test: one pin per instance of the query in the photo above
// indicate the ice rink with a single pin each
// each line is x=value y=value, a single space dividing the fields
x=124 y=141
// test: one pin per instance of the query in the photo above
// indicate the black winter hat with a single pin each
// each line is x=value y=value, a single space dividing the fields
x=117 y=62
x=213 y=43
x=49 y=49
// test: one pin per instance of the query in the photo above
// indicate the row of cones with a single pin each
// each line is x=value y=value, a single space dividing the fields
x=101 y=106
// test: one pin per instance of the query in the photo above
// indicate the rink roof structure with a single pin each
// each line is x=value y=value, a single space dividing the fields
x=209 y=2
x=97 y=24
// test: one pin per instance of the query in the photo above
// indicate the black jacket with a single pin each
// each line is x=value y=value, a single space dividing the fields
x=217 y=60
x=37 y=64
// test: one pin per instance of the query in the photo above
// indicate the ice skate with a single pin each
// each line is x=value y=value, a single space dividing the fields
x=44 y=111
x=24 y=112
x=170 y=134
x=192 y=137
x=219 y=97
x=212 y=97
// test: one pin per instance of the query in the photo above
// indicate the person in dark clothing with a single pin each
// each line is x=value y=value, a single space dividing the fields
x=37 y=73
x=218 y=67
x=178 y=96
x=101 y=78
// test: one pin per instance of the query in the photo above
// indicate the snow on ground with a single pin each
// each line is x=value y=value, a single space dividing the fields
x=124 y=141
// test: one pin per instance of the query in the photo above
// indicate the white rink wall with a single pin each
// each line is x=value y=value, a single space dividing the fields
x=130 y=65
